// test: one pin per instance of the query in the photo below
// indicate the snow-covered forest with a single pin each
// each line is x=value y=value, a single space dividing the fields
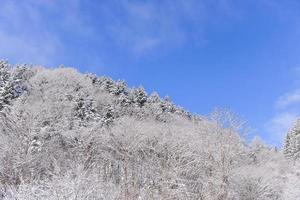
x=67 y=135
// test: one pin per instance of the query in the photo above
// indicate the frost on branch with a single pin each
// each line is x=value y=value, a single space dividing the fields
x=65 y=135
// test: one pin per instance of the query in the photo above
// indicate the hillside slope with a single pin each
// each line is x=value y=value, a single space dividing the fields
x=67 y=135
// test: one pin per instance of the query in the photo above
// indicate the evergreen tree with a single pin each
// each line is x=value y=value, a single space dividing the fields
x=86 y=110
x=9 y=84
x=119 y=88
x=292 y=142
x=154 y=98
x=139 y=96
x=287 y=143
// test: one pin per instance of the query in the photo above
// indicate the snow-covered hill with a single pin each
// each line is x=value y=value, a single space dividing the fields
x=67 y=135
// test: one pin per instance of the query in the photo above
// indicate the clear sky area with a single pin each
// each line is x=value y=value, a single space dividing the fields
x=239 y=55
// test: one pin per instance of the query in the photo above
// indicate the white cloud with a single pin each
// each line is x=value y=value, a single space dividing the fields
x=288 y=99
x=28 y=50
x=135 y=27
x=286 y=111
x=25 y=32
x=20 y=40
x=142 y=27
x=279 y=125
x=145 y=44
x=41 y=27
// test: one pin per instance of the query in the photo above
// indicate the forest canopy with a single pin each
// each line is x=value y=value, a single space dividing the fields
x=68 y=135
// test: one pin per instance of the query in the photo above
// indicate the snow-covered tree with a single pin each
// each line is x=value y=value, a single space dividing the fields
x=85 y=110
x=139 y=96
x=287 y=146
x=75 y=136
x=292 y=142
x=10 y=83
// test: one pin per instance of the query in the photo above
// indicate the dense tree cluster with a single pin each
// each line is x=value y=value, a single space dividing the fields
x=65 y=135
x=292 y=142
x=11 y=83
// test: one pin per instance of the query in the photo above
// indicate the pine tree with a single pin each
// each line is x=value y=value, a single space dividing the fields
x=154 y=98
x=86 y=110
x=292 y=142
x=11 y=85
x=119 y=88
x=6 y=86
x=287 y=144
x=139 y=96
x=296 y=146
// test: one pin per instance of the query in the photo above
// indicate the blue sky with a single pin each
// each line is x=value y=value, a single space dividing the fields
x=241 y=55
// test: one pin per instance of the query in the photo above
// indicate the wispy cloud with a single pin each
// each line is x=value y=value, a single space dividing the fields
x=19 y=36
x=278 y=126
x=289 y=99
x=141 y=27
x=42 y=31
x=26 y=31
x=286 y=112
x=39 y=31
